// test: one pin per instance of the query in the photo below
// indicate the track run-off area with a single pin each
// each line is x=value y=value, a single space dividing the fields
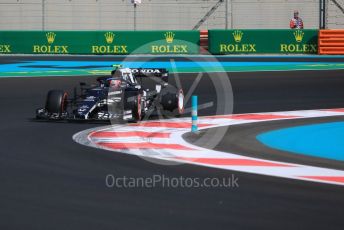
x=163 y=140
x=48 y=178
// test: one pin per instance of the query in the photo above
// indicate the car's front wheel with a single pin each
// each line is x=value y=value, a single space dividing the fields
x=172 y=101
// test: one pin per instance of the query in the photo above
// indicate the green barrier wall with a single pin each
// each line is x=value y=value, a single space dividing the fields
x=99 y=42
x=263 y=41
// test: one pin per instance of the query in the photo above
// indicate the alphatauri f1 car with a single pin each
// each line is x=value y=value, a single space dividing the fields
x=127 y=94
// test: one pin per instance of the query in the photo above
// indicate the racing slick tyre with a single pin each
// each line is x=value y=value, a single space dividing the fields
x=172 y=101
x=56 y=101
x=137 y=109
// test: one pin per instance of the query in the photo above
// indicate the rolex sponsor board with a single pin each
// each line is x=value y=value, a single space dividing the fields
x=50 y=46
x=110 y=43
x=263 y=41
x=100 y=42
x=173 y=42
x=147 y=42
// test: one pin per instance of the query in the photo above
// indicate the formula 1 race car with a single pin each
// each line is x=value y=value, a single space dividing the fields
x=127 y=94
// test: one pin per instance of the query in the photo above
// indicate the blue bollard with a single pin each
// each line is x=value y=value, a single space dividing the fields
x=194 y=117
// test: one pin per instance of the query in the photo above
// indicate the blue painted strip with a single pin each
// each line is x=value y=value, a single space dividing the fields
x=320 y=140
x=105 y=65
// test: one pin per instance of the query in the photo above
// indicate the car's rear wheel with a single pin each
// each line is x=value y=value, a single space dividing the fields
x=56 y=101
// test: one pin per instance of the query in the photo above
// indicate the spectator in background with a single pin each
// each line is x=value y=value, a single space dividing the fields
x=296 y=22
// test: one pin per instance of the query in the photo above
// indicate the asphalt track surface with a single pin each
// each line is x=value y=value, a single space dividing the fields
x=50 y=182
